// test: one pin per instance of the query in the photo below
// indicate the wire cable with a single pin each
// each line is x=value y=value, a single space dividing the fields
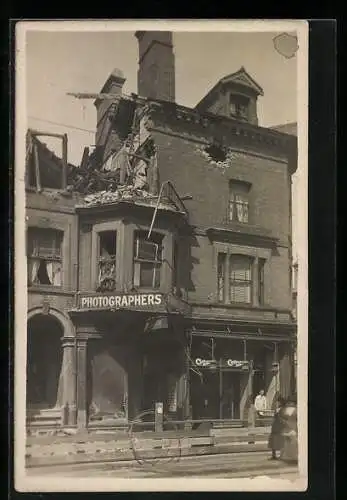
x=62 y=124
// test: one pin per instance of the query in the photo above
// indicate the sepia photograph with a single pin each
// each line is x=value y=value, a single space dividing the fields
x=161 y=255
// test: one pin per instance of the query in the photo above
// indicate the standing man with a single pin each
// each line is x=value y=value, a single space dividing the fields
x=260 y=403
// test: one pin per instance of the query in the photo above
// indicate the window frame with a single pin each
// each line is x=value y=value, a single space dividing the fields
x=261 y=281
x=112 y=259
x=33 y=253
x=255 y=254
x=156 y=263
x=221 y=274
x=239 y=101
x=245 y=283
x=241 y=190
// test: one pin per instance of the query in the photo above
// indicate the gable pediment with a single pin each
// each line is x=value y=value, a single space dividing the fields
x=241 y=77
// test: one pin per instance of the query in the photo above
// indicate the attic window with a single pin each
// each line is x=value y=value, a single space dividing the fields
x=238 y=106
x=216 y=152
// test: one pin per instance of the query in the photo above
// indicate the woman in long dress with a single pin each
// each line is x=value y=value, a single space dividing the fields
x=276 y=439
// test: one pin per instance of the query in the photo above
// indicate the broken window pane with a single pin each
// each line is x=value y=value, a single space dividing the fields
x=107 y=260
x=44 y=257
x=147 y=260
x=239 y=201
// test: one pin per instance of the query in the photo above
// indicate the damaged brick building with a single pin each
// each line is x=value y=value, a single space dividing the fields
x=167 y=257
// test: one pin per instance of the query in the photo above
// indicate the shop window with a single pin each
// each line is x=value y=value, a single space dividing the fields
x=45 y=257
x=261 y=294
x=107 y=261
x=239 y=107
x=221 y=277
x=240 y=279
x=239 y=201
x=147 y=260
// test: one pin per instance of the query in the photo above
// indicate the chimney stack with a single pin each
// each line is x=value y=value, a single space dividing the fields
x=156 y=73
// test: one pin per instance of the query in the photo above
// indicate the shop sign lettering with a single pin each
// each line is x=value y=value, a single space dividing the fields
x=205 y=362
x=121 y=301
x=233 y=363
x=229 y=363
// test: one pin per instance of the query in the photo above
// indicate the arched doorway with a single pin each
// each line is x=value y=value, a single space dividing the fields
x=44 y=360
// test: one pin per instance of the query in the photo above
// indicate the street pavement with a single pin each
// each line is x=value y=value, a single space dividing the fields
x=234 y=465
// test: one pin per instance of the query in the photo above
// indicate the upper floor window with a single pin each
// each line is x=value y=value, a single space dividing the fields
x=234 y=278
x=107 y=260
x=240 y=280
x=239 y=201
x=147 y=260
x=44 y=256
x=239 y=106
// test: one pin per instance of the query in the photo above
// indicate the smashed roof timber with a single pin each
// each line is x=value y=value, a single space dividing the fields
x=32 y=134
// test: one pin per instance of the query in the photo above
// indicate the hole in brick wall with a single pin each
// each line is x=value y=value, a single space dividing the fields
x=216 y=152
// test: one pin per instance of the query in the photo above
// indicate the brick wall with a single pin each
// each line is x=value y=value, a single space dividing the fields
x=180 y=162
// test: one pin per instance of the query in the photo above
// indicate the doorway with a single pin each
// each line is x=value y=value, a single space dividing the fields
x=44 y=361
x=231 y=395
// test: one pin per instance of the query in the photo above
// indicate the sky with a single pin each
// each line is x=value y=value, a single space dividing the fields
x=59 y=61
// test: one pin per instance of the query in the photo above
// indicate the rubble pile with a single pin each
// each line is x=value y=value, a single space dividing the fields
x=126 y=193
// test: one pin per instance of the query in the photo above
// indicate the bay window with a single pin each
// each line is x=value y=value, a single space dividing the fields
x=147 y=260
x=44 y=257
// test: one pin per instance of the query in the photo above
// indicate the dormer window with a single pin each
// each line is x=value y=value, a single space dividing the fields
x=239 y=106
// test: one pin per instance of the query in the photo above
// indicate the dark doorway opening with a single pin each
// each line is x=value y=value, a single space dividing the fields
x=44 y=360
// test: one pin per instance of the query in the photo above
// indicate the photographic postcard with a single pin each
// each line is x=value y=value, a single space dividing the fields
x=161 y=255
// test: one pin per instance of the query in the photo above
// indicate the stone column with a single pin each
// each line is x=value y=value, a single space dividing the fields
x=82 y=380
x=69 y=379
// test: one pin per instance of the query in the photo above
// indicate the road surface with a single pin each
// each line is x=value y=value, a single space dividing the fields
x=235 y=465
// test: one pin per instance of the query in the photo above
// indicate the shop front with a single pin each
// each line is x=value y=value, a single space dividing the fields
x=130 y=355
x=226 y=374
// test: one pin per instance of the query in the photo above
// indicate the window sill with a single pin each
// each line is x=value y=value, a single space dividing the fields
x=50 y=290
x=243 y=229
x=236 y=305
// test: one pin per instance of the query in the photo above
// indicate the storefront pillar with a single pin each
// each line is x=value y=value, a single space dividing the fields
x=68 y=381
x=272 y=376
x=82 y=383
x=246 y=398
x=183 y=390
x=285 y=375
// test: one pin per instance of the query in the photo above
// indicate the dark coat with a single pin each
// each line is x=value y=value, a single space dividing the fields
x=275 y=439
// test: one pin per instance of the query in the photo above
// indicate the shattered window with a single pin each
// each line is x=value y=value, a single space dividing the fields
x=107 y=260
x=239 y=201
x=44 y=257
x=147 y=260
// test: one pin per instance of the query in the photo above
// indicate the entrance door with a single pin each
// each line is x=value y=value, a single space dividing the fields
x=205 y=398
x=44 y=359
x=231 y=395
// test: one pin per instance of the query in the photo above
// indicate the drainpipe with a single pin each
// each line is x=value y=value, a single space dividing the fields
x=75 y=376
